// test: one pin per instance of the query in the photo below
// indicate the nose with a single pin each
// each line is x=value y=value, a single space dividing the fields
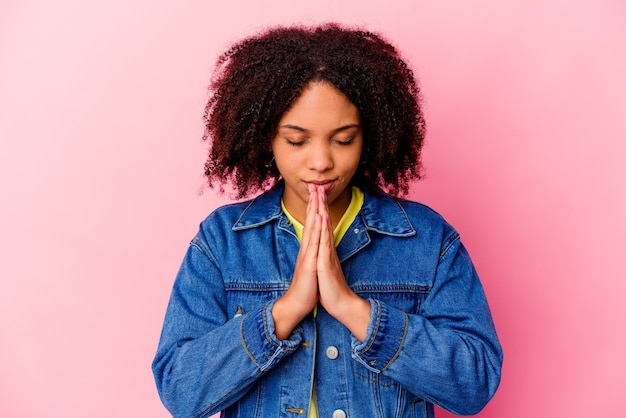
x=320 y=157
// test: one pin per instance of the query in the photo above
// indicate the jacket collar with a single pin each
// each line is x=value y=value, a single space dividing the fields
x=380 y=212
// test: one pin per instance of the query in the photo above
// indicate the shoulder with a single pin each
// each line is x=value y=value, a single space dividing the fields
x=420 y=212
x=243 y=215
x=394 y=214
x=229 y=212
x=430 y=224
x=390 y=207
x=224 y=218
x=217 y=227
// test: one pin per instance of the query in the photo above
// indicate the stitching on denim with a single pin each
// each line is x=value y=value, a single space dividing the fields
x=393 y=234
x=204 y=249
x=260 y=396
x=267 y=335
x=227 y=395
x=408 y=233
x=455 y=238
x=358 y=248
x=392 y=288
x=380 y=312
x=255 y=287
x=406 y=217
x=362 y=376
x=406 y=326
x=240 y=225
x=243 y=341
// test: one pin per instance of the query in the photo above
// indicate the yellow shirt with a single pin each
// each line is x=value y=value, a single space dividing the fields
x=344 y=223
x=340 y=230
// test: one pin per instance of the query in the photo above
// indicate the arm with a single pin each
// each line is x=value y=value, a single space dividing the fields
x=449 y=354
x=206 y=361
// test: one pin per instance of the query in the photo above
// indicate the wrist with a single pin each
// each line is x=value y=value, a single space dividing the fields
x=354 y=314
x=286 y=317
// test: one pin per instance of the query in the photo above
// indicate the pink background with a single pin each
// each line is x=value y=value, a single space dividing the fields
x=101 y=165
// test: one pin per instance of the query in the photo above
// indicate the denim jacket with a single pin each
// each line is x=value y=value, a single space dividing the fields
x=430 y=339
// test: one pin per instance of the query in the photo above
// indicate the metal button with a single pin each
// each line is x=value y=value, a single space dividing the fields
x=338 y=413
x=332 y=352
x=356 y=230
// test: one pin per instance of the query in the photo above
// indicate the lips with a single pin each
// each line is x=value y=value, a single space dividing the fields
x=326 y=184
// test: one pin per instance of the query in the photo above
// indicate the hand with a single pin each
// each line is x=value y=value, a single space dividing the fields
x=334 y=293
x=302 y=295
x=318 y=276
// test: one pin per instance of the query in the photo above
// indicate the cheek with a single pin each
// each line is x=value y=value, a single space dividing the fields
x=285 y=166
x=353 y=161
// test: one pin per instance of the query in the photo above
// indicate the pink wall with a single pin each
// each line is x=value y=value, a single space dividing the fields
x=101 y=163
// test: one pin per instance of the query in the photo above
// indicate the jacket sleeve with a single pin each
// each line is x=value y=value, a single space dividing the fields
x=205 y=360
x=449 y=353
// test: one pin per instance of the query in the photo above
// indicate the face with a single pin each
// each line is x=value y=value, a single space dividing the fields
x=318 y=141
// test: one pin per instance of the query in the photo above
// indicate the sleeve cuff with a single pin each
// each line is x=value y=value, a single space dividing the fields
x=258 y=337
x=384 y=338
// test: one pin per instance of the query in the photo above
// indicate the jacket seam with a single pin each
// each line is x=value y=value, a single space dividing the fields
x=375 y=329
x=406 y=326
x=455 y=238
x=265 y=332
x=243 y=341
x=204 y=249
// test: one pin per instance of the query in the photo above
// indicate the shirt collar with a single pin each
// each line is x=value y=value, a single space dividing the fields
x=380 y=212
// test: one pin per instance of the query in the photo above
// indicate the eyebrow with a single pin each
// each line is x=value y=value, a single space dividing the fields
x=341 y=128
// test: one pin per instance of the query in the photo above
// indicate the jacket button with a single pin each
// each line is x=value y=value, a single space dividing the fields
x=332 y=353
x=339 y=414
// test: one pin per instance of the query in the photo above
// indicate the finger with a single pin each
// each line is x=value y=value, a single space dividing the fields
x=311 y=211
x=322 y=200
x=312 y=205
x=310 y=242
x=331 y=280
x=304 y=282
x=314 y=236
x=326 y=236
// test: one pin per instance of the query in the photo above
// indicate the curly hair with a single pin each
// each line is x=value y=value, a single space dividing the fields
x=259 y=78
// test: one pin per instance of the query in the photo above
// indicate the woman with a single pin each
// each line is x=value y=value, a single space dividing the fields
x=327 y=294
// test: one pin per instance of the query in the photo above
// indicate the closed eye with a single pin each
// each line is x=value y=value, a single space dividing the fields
x=344 y=141
x=294 y=143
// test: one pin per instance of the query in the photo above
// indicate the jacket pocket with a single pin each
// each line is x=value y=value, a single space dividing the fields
x=406 y=297
x=244 y=297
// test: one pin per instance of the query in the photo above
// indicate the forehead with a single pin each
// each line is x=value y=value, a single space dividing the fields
x=320 y=103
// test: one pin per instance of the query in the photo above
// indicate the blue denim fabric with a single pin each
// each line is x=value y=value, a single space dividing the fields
x=430 y=340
